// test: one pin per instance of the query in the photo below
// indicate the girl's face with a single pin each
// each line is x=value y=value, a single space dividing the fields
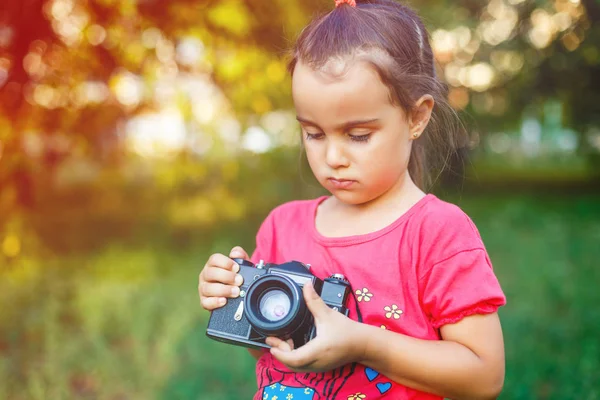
x=357 y=142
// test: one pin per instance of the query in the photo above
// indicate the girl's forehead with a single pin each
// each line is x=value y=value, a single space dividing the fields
x=331 y=100
x=339 y=78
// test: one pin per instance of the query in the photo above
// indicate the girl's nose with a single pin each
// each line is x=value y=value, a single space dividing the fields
x=335 y=155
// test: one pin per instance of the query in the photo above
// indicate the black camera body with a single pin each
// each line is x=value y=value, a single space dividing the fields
x=271 y=304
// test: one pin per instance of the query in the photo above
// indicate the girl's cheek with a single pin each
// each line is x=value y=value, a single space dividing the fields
x=313 y=152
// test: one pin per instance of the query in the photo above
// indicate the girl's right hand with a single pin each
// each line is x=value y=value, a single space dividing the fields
x=219 y=279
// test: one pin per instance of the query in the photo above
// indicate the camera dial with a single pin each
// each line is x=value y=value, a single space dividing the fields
x=339 y=277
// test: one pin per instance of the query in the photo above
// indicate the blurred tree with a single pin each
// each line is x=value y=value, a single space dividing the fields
x=72 y=73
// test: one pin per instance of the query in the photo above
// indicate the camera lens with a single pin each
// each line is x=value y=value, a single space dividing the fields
x=274 y=305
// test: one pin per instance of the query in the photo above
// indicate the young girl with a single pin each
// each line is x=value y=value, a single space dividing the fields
x=423 y=322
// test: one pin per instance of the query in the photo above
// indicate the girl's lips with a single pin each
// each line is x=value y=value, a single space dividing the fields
x=341 y=183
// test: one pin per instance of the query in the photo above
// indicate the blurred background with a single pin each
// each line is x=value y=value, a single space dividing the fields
x=139 y=136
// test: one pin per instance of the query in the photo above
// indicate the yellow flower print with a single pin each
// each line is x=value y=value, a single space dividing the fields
x=364 y=294
x=392 y=311
x=289 y=396
x=357 y=396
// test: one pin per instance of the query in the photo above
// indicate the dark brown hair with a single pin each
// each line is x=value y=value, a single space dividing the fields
x=407 y=69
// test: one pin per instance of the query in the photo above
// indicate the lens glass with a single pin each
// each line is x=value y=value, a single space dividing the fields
x=274 y=305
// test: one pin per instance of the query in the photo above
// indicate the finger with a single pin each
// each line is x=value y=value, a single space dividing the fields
x=315 y=304
x=221 y=261
x=222 y=276
x=212 y=303
x=284 y=345
x=239 y=252
x=299 y=358
x=208 y=289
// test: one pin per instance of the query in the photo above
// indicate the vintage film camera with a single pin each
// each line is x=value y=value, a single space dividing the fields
x=271 y=304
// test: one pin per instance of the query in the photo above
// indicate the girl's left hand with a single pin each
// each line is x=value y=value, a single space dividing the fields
x=338 y=341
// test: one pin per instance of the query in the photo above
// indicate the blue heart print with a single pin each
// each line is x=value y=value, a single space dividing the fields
x=384 y=387
x=371 y=374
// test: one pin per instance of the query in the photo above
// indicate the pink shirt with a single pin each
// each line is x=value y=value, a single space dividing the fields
x=426 y=269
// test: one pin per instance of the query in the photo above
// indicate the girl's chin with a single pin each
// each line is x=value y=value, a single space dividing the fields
x=350 y=198
x=355 y=197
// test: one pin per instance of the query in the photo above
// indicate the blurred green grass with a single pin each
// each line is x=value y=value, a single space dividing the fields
x=126 y=323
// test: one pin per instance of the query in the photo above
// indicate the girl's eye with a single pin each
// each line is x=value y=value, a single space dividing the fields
x=360 y=138
x=311 y=136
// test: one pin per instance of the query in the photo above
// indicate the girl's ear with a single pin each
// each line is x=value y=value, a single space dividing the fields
x=419 y=115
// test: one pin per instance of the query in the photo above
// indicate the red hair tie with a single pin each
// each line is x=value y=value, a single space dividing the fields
x=351 y=3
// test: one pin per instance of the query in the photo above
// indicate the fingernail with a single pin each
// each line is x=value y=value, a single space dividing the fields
x=222 y=301
x=235 y=291
x=236 y=267
x=239 y=280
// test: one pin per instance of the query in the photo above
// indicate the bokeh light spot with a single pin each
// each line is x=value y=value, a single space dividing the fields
x=11 y=246
x=256 y=140
x=96 y=34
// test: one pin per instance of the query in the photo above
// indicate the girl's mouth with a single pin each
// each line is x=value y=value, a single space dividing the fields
x=341 y=183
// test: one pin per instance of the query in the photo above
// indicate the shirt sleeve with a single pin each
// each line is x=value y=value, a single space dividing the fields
x=461 y=285
x=264 y=241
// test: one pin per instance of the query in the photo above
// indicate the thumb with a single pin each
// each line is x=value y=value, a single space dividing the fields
x=314 y=302
x=238 y=252
x=283 y=345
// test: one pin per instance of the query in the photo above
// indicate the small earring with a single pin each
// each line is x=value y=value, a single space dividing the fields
x=415 y=135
